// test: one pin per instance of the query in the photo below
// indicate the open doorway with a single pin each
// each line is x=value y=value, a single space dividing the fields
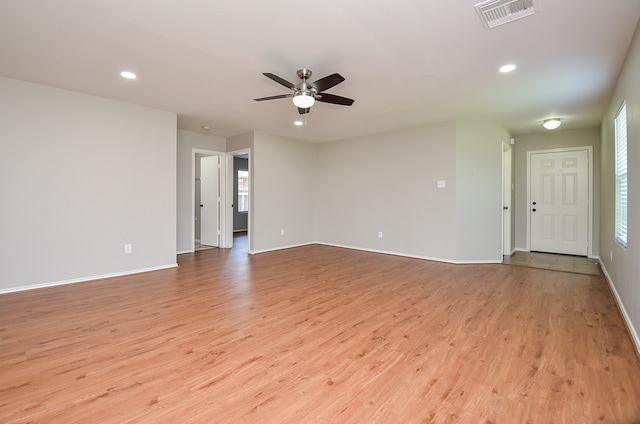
x=241 y=193
x=239 y=188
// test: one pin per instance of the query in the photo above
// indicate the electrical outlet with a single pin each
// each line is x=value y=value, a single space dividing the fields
x=281 y=231
x=128 y=248
x=379 y=234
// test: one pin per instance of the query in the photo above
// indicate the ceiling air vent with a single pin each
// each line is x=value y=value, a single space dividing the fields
x=498 y=12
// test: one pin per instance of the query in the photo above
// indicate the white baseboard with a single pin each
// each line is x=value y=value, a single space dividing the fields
x=384 y=252
x=404 y=255
x=254 y=252
x=85 y=279
x=625 y=316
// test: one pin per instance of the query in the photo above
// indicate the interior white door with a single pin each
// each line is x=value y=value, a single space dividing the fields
x=209 y=200
x=559 y=195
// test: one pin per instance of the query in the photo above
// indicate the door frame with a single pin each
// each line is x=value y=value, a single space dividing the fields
x=223 y=185
x=589 y=150
x=230 y=201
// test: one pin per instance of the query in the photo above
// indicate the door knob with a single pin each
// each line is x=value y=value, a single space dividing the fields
x=533 y=203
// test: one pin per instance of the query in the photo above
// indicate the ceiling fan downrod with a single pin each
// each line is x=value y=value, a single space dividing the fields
x=304 y=96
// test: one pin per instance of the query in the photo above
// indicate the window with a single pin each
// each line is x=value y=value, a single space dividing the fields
x=621 y=174
x=243 y=190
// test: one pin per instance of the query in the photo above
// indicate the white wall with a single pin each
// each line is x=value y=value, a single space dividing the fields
x=240 y=142
x=388 y=182
x=187 y=141
x=553 y=140
x=478 y=191
x=80 y=177
x=283 y=192
x=624 y=270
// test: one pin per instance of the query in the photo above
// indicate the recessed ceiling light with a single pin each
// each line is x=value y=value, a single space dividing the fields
x=507 y=68
x=551 y=123
x=128 y=75
x=298 y=123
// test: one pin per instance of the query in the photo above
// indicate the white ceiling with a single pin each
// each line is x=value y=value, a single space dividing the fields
x=406 y=63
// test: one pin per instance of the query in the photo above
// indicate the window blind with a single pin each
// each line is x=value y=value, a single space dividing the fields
x=621 y=174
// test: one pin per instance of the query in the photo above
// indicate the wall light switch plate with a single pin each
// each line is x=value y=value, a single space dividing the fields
x=128 y=248
x=442 y=183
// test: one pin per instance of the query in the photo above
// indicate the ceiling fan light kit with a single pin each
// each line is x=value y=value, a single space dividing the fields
x=306 y=93
x=304 y=99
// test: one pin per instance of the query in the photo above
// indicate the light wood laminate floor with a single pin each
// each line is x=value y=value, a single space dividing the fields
x=319 y=334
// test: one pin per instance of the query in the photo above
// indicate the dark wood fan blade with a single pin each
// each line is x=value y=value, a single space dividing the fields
x=279 y=80
x=302 y=110
x=332 y=98
x=327 y=82
x=279 y=96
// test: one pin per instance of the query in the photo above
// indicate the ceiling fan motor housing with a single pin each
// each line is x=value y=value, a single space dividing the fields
x=304 y=87
x=304 y=73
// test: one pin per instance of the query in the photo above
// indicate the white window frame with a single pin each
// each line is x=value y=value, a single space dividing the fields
x=621 y=175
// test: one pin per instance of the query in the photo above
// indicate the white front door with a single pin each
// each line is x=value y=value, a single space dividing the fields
x=209 y=200
x=559 y=202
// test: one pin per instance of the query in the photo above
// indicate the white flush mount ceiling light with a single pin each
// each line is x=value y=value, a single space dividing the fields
x=304 y=99
x=551 y=123
x=206 y=127
x=298 y=123
x=507 y=68
x=128 y=75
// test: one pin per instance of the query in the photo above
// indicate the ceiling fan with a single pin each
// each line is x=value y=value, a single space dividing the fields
x=306 y=93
